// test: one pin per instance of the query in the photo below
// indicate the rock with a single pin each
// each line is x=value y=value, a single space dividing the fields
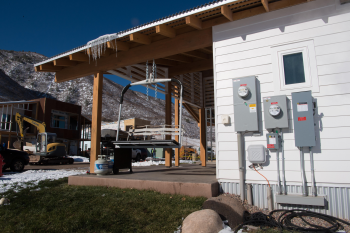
x=4 y=201
x=228 y=208
x=202 y=221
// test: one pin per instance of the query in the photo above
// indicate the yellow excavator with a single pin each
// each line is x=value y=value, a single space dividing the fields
x=46 y=149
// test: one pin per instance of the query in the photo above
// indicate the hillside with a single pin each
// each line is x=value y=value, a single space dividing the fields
x=19 y=81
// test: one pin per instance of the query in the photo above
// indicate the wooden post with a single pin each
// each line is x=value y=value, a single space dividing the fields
x=168 y=122
x=203 y=136
x=177 y=121
x=96 y=119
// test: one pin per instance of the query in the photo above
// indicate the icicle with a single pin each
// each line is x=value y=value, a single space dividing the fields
x=99 y=45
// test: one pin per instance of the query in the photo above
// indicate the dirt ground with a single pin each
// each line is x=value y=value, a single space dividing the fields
x=74 y=166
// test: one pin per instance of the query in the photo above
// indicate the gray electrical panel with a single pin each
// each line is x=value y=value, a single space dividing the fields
x=245 y=104
x=273 y=141
x=275 y=112
x=303 y=118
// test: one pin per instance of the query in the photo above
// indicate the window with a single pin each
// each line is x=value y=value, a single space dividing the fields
x=58 y=121
x=294 y=67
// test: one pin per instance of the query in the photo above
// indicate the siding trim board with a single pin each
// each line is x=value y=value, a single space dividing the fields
x=243 y=48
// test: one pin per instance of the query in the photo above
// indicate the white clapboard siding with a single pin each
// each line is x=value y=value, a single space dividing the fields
x=243 y=48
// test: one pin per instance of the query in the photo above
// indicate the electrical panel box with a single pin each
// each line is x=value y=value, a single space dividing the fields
x=303 y=118
x=245 y=104
x=256 y=154
x=273 y=141
x=275 y=112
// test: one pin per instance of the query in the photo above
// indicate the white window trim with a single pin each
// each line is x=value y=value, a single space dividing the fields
x=310 y=67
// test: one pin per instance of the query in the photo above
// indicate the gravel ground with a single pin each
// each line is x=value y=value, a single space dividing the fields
x=297 y=221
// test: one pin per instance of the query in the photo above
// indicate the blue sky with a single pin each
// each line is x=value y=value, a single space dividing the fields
x=53 y=27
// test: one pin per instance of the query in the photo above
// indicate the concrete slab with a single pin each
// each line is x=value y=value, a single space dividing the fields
x=188 y=179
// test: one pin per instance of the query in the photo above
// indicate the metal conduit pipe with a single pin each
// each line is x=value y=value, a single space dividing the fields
x=314 y=190
x=279 y=190
x=302 y=169
x=241 y=165
x=283 y=168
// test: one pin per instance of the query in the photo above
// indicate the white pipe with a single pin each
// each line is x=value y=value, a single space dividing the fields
x=314 y=190
x=241 y=164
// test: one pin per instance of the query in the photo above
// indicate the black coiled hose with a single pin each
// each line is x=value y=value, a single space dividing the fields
x=284 y=221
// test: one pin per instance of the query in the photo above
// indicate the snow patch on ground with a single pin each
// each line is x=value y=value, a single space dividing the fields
x=80 y=159
x=31 y=178
x=150 y=163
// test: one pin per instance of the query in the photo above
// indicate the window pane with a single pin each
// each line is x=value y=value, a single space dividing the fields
x=294 y=68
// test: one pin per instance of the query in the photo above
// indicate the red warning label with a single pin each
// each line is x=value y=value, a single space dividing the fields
x=243 y=84
x=301 y=118
x=270 y=146
x=274 y=102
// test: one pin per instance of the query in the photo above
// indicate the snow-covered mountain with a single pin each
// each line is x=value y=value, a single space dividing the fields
x=19 y=81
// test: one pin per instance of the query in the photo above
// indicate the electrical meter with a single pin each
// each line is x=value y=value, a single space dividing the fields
x=274 y=110
x=245 y=104
x=243 y=91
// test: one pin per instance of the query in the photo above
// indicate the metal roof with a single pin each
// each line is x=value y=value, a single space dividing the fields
x=181 y=14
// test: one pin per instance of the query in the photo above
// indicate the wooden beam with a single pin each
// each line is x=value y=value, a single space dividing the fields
x=96 y=119
x=166 y=62
x=121 y=46
x=140 y=38
x=202 y=137
x=177 y=122
x=165 y=30
x=225 y=11
x=168 y=114
x=78 y=57
x=265 y=4
x=198 y=54
x=191 y=67
x=64 y=62
x=49 y=67
x=208 y=50
x=194 y=22
x=180 y=58
x=37 y=68
x=191 y=112
x=159 y=49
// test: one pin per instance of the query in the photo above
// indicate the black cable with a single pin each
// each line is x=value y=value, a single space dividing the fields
x=285 y=220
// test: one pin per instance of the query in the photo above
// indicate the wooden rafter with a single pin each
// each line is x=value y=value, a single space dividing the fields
x=180 y=58
x=165 y=31
x=163 y=48
x=78 y=57
x=194 y=22
x=49 y=67
x=64 y=62
x=140 y=38
x=192 y=113
x=191 y=67
x=121 y=46
x=166 y=62
x=198 y=54
x=265 y=4
x=225 y=11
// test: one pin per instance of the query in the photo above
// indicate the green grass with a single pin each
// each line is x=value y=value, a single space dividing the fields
x=57 y=207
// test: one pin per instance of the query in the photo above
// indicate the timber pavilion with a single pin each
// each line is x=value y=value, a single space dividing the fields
x=181 y=45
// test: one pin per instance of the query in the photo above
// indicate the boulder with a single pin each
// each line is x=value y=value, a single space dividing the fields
x=202 y=221
x=228 y=208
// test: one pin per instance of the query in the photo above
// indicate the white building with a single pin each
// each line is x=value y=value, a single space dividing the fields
x=320 y=32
